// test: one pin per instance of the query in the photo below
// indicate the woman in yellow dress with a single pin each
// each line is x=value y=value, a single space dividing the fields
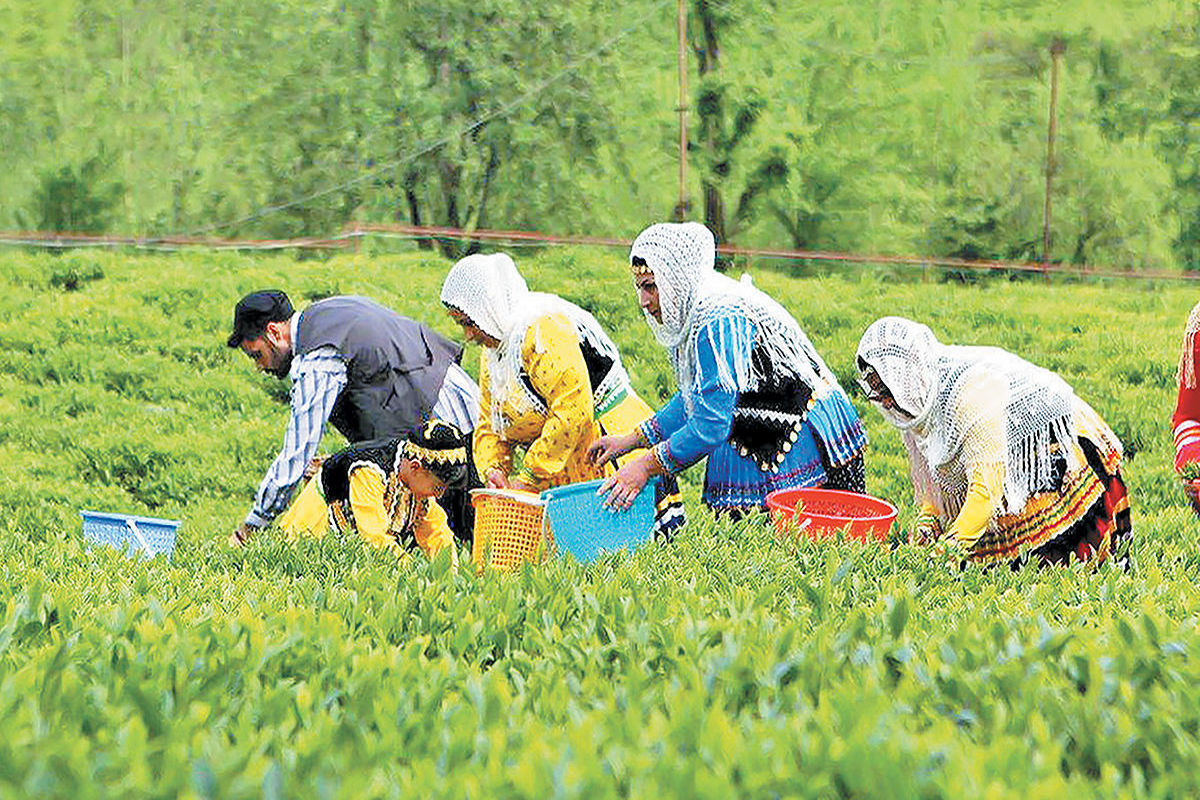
x=551 y=382
x=385 y=490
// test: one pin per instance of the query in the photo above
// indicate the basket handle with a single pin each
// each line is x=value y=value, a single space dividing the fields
x=138 y=535
x=547 y=536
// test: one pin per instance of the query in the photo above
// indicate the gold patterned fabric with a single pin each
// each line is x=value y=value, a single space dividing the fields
x=558 y=434
x=1048 y=516
x=1044 y=517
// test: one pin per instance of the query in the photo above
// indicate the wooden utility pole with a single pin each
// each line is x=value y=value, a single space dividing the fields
x=681 y=25
x=1057 y=47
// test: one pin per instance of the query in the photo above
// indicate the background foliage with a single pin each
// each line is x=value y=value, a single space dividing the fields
x=885 y=127
x=725 y=664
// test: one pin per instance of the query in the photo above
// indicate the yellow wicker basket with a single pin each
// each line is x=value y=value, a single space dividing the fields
x=508 y=529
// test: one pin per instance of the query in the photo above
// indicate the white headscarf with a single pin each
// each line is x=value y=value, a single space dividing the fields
x=486 y=288
x=903 y=354
x=492 y=293
x=1186 y=376
x=692 y=294
x=972 y=408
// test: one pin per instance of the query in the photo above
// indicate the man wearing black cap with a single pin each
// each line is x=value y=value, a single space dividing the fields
x=370 y=372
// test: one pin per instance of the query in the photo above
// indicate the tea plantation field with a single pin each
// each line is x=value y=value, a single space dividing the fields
x=723 y=664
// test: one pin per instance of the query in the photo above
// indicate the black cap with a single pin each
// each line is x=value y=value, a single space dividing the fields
x=254 y=311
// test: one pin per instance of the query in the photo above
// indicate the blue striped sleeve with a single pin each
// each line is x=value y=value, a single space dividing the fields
x=670 y=418
x=707 y=425
x=317 y=380
x=458 y=400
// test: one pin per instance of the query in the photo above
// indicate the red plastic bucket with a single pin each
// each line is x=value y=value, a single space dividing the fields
x=825 y=512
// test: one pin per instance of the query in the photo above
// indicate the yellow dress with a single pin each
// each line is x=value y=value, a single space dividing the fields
x=382 y=510
x=558 y=437
x=987 y=535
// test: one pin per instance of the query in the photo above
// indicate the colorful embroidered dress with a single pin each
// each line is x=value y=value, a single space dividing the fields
x=1186 y=422
x=754 y=396
x=1006 y=459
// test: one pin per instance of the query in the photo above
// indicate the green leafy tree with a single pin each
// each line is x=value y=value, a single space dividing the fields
x=82 y=198
x=488 y=112
x=1179 y=138
x=894 y=127
x=728 y=111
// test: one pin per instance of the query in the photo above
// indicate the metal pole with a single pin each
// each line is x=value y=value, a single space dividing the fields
x=681 y=26
x=1056 y=50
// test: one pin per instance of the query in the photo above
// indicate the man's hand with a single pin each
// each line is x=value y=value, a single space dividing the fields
x=241 y=535
x=496 y=479
x=312 y=467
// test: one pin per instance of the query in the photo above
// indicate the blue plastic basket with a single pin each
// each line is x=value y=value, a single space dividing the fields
x=147 y=536
x=583 y=527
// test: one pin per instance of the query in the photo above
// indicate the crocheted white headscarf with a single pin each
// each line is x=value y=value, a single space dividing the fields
x=692 y=294
x=492 y=293
x=903 y=354
x=1186 y=375
x=972 y=408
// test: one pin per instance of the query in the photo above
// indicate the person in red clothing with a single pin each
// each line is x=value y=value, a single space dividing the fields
x=1186 y=422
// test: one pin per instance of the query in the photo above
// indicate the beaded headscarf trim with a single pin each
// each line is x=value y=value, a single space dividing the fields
x=428 y=455
x=457 y=455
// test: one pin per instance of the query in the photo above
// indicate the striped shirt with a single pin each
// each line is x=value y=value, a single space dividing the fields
x=458 y=399
x=318 y=377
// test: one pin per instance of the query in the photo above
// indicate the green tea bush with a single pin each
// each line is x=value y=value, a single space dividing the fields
x=725 y=663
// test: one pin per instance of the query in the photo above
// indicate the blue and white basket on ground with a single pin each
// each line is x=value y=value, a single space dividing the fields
x=583 y=527
x=145 y=536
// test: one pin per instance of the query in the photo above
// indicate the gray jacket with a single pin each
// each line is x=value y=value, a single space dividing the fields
x=394 y=365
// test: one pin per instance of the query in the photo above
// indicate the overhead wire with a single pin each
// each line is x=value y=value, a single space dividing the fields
x=194 y=238
x=530 y=239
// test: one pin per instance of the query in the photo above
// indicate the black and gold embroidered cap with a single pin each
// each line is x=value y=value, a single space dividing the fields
x=255 y=310
x=442 y=449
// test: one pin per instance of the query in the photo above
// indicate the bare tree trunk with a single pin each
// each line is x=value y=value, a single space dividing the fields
x=711 y=122
x=479 y=218
x=414 y=211
x=711 y=53
x=450 y=183
x=714 y=210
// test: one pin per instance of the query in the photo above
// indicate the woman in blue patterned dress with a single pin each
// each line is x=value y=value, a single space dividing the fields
x=754 y=396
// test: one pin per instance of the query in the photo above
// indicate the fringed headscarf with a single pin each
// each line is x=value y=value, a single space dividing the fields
x=1186 y=375
x=692 y=295
x=972 y=408
x=490 y=291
